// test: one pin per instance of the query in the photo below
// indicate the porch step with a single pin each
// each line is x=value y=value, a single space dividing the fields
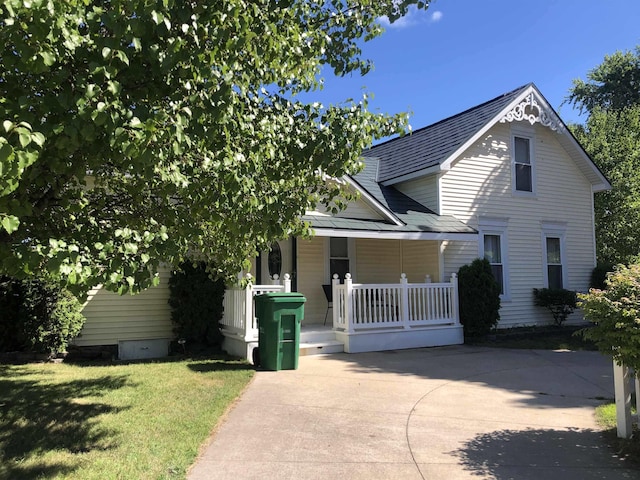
x=316 y=334
x=321 y=347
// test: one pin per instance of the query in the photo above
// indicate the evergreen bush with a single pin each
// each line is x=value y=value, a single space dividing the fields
x=559 y=301
x=196 y=302
x=479 y=295
x=37 y=316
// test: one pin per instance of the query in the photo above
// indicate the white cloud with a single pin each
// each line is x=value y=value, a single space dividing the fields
x=413 y=17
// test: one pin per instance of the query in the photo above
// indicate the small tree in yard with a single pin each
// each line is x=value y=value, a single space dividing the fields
x=615 y=313
x=559 y=301
x=479 y=298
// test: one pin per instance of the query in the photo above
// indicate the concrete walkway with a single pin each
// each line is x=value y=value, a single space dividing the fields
x=440 y=413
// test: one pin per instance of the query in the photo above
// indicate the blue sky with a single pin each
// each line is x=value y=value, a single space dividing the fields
x=460 y=53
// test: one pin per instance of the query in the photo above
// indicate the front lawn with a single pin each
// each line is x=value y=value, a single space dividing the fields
x=121 y=421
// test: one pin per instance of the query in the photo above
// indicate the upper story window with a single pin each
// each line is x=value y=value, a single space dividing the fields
x=522 y=165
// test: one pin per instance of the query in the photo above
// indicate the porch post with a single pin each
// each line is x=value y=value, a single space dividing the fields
x=454 y=298
x=404 y=295
x=275 y=280
x=427 y=278
x=287 y=283
x=335 y=301
x=248 y=308
x=348 y=304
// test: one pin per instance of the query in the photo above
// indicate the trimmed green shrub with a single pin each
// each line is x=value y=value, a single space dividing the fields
x=479 y=295
x=599 y=275
x=559 y=301
x=615 y=313
x=37 y=316
x=196 y=302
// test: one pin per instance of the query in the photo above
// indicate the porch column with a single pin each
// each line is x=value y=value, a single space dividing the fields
x=248 y=308
x=454 y=299
x=335 y=301
x=348 y=304
x=287 y=283
x=404 y=295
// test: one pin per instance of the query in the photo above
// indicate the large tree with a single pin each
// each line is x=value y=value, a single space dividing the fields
x=611 y=136
x=612 y=85
x=137 y=131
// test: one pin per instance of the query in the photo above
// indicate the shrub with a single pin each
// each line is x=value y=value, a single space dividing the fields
x=196 y=304
x=479 y=295
x=37 y=316
x=559 y=301
x=599 y=275
x=615 y=313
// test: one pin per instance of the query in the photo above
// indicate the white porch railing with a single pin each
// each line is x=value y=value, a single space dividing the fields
x=358 y=307
x=240 y=320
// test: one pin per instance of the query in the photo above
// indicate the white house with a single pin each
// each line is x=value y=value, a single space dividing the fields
x=504 y=180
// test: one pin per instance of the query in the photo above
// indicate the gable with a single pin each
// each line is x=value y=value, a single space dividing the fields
x=357 y=209
x=434 y=148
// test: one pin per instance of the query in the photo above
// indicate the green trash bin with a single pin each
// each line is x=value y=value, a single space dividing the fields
x=279 y=317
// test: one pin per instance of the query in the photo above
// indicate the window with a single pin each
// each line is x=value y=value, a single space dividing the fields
x=492 y=245
x=554 y=262
x=493 y=253
x=523 y=169
x=553 y=254
x=339 y=257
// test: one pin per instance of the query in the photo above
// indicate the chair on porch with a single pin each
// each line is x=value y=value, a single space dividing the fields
x=328 y=293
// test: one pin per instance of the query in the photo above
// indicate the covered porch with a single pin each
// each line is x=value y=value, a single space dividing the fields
x=361 y=317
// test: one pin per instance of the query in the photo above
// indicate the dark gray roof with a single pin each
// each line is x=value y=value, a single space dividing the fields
x=431 y=145
x=416 y=218
x=432 y=224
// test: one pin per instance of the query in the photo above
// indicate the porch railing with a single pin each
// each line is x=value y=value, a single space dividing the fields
x=403 y=306
x=239 y=316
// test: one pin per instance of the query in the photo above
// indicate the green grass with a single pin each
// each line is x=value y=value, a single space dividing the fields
x=120 y=421
x=627 y=450
x=547 y=338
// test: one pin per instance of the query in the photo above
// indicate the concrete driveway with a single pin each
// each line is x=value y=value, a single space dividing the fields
x=441 y=413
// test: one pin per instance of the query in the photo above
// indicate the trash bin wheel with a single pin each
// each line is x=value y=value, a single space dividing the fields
x=255 y=356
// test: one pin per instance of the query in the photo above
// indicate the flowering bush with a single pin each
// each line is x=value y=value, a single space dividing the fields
x=615 y=313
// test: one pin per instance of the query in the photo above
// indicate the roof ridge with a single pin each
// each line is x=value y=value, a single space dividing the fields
x=481 y=105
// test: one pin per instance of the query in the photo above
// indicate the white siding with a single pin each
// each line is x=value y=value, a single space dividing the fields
x=479 y=184
x=112 y=317
x=355 y=209
x=420 y=258
x=311 y=277
x=423 y=190
x=378 y=261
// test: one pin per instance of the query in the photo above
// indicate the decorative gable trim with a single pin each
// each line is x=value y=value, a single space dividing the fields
x=530 y=110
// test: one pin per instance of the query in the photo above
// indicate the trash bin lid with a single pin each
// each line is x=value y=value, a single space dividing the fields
x=277 y=297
